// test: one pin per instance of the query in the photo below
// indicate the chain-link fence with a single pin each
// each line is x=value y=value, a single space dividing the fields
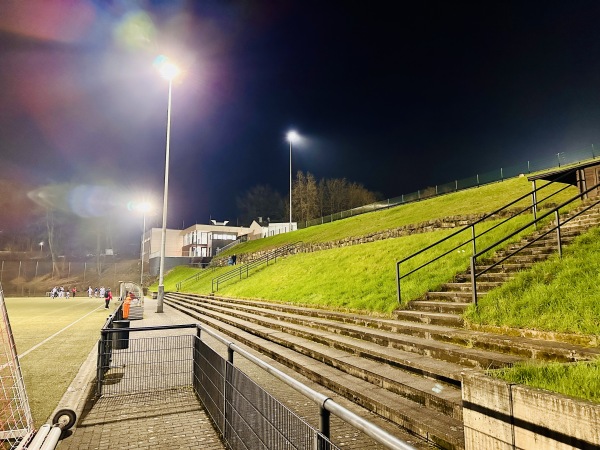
x=36 y=278
x=502 y=173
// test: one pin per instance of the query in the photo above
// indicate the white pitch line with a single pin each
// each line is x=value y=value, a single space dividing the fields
x=57 y=333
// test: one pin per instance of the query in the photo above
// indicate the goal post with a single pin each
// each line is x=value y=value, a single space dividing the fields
x=16 y=421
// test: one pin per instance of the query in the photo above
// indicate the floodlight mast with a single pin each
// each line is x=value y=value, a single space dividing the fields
x=144 y=207
x=292 y=136
x=168 y=71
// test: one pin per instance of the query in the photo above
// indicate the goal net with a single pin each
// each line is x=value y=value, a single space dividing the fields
x=16 y=422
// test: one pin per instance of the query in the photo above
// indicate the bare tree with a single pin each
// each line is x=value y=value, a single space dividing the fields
x=260 y=201
x=305 y=197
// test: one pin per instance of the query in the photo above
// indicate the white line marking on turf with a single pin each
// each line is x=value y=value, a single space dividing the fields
x=56 y=334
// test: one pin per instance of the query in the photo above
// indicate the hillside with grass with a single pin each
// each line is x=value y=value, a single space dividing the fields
x=362 y=277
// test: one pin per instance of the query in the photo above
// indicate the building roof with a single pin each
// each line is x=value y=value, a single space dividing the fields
x=567 y=175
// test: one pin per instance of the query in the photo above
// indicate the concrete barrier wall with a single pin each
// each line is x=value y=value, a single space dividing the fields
x=501 y=415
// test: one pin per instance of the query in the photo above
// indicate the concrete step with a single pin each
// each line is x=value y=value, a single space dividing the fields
x=482 y=286
x=520 y=259
x=427 y=317
x=446 y=296
x=438 y=306
x=505 y=267
x=362 y=327
x=494 y=277
x=371 y=341
x=541 y=250
x=436 y=427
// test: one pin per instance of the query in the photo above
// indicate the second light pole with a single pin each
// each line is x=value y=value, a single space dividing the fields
x=292 y=137
x=168 y=71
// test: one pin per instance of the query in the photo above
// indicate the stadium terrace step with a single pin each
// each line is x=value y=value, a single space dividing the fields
x=371 y=386
x=362 y=326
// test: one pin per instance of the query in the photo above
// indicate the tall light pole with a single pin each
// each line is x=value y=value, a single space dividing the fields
x=168 y=71
x=292 y=137
x=41 y=247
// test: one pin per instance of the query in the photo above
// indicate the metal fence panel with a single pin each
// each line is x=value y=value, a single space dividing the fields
x=256 y=420
x=147 y=364
x=209 y=382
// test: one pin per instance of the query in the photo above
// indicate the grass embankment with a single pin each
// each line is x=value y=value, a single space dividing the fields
x=580 y=380
x=49 y=369
x=362 y=277
x=559 y=295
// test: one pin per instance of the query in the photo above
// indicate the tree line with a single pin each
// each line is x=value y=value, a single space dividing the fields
x=310 y=199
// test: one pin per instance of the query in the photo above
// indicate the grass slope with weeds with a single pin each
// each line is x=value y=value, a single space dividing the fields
x=559 y=295
x=49 y=369
x=580 y=380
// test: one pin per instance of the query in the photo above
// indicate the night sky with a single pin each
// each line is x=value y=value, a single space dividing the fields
x=397 y=96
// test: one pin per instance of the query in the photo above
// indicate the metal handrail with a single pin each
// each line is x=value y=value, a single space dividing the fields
x=196 y=277
x=245 y=268
x=557 y=228
x=474 y=236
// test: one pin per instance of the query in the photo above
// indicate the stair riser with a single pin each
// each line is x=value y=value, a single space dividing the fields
x=487 y=277
x=455 y=321
x=442 y=307
x=449 y=297
x=482 y=286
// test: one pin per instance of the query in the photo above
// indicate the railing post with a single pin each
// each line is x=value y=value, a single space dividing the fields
x=230 y=353
x=473 y=239
x=102 y=360
x=473 y=281
x=324 y=428
x=398 y=282
x=534 y=201
x=557 y=216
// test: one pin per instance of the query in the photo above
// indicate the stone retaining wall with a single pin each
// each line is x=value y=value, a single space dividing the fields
x=501 y=415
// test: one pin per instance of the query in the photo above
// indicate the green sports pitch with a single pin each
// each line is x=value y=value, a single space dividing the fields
x=53 y=338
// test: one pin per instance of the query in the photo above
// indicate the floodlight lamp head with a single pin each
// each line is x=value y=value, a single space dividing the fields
x=166 y=68
x=144 y=207
x=292 y=136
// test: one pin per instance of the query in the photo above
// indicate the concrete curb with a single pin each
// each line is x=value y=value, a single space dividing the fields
x=73 y=401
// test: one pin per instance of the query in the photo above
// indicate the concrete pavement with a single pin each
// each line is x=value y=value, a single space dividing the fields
x=165 y=419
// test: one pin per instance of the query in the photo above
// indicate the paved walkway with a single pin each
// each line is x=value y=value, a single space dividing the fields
x=164 y=419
